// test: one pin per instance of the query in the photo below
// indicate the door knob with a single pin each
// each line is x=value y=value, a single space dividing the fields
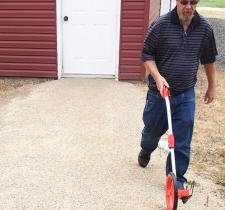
x=66 y=18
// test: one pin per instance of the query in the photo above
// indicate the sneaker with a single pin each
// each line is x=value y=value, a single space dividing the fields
x=180 y=185
x=143 y=158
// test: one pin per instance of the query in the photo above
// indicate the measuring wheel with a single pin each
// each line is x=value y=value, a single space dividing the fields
x=171 y=192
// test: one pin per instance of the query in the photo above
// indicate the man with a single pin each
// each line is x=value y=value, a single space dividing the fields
x=173 y=47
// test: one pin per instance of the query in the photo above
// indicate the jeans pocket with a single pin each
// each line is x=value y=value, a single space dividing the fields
x=151 y=99
x=154 y=109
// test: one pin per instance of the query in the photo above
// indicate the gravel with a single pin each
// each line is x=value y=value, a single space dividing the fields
x=219 y=31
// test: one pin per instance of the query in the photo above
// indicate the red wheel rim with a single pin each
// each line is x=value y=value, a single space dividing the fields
x=171 y=193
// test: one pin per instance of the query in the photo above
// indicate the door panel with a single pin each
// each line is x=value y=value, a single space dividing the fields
x=90 y=36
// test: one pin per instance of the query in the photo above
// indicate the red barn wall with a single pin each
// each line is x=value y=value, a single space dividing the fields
x=28 y=38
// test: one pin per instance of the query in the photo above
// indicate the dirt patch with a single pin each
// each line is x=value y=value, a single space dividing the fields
x=208 y=140
x=10 y=86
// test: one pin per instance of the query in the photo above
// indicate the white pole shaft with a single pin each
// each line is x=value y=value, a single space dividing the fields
x=170 y=133
x=173 y=162
x=169 y=115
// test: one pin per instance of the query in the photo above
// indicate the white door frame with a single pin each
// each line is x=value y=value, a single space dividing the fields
x=166 y=6
x=59 y=37
x=59 y=20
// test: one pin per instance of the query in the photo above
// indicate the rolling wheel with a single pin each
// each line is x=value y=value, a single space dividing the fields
x=171 y=192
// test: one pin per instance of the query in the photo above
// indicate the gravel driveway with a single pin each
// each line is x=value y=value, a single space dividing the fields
x=219 y=31
x=72 y=144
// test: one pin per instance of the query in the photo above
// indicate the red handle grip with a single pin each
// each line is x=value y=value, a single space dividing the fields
x=166 y=91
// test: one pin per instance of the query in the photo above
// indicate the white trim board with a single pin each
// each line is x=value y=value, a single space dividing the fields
x=59 y=36
x=89 y=76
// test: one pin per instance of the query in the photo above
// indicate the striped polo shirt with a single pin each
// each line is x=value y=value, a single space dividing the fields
x=177 y=53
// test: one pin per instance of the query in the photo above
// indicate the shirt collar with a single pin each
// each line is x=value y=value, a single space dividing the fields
x=175 y=19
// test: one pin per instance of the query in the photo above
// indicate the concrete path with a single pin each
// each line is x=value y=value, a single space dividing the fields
x=73 y=144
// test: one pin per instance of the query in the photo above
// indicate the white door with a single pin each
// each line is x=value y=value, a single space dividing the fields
x=90 y=36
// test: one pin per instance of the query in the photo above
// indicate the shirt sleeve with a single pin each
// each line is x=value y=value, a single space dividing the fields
x=209 y=50
x=150 y=43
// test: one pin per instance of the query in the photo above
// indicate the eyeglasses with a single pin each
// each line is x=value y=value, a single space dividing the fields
x=185 y=2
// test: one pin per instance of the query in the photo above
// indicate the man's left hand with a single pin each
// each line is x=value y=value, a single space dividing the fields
x=210 y=95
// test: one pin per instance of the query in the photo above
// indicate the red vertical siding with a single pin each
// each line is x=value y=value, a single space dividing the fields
x=134 y=22
x=28 y=38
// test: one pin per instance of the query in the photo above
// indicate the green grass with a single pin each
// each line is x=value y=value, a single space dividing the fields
x=212 y=3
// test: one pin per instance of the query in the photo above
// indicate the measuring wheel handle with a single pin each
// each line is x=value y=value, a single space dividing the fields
x=166 y=92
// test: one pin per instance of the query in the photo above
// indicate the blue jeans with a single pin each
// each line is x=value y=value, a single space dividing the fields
x=156 y=124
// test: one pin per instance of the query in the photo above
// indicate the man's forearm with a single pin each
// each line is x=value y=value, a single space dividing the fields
x=152 y=69
x=210 y=70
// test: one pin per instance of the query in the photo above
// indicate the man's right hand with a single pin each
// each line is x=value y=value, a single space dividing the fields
x=160 y=83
